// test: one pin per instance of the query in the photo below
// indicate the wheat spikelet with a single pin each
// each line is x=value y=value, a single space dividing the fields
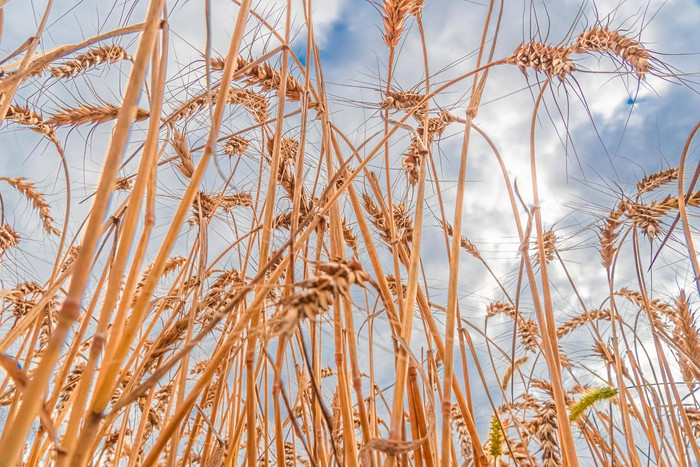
x=656 y=308
x=495 y=441
x=500 y=307
x=254 y=102
x=520 y=454
x=90 y=114
x=124 y=184
x=460 y=427
x=548 y=239
x=376 y=217
x=289 y=149
x=170 y=265
x=671 y=202
x=400 y=100
x=466 y=245
x=186 y=164
x=512 y=368
x=580 y=320
x=24 y=116
x=105 y=54
x=164 y=342
x=693 y=415
x=68 y=388
x=528 y=333
x=589 y=399
x=270 y=79
x=32 y=194
x=608 y=236
x=265 y=76
x=629 y=50
x=412 y=161
x=24 y=297
x=290 y=457
x=645 y=216
x=687 y=338
x=527 y=328
x=236 y=146
x=206 y=205
x=349 y=235
x=394 y=15
x=545 y=428
x=416 y=8
x=317 y=294
x=554 y=61
x=654 y=181
x=8 y=237
x=609 y=358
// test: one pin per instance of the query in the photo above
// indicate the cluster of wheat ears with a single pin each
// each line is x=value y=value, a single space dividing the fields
x=140 y=348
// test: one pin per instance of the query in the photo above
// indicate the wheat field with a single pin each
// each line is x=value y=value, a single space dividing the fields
x=217 y=250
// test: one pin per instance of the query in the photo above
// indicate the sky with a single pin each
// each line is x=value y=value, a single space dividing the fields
x=597 y=134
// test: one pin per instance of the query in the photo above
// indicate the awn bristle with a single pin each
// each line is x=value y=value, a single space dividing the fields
x=105 y=54
x=32 y=194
